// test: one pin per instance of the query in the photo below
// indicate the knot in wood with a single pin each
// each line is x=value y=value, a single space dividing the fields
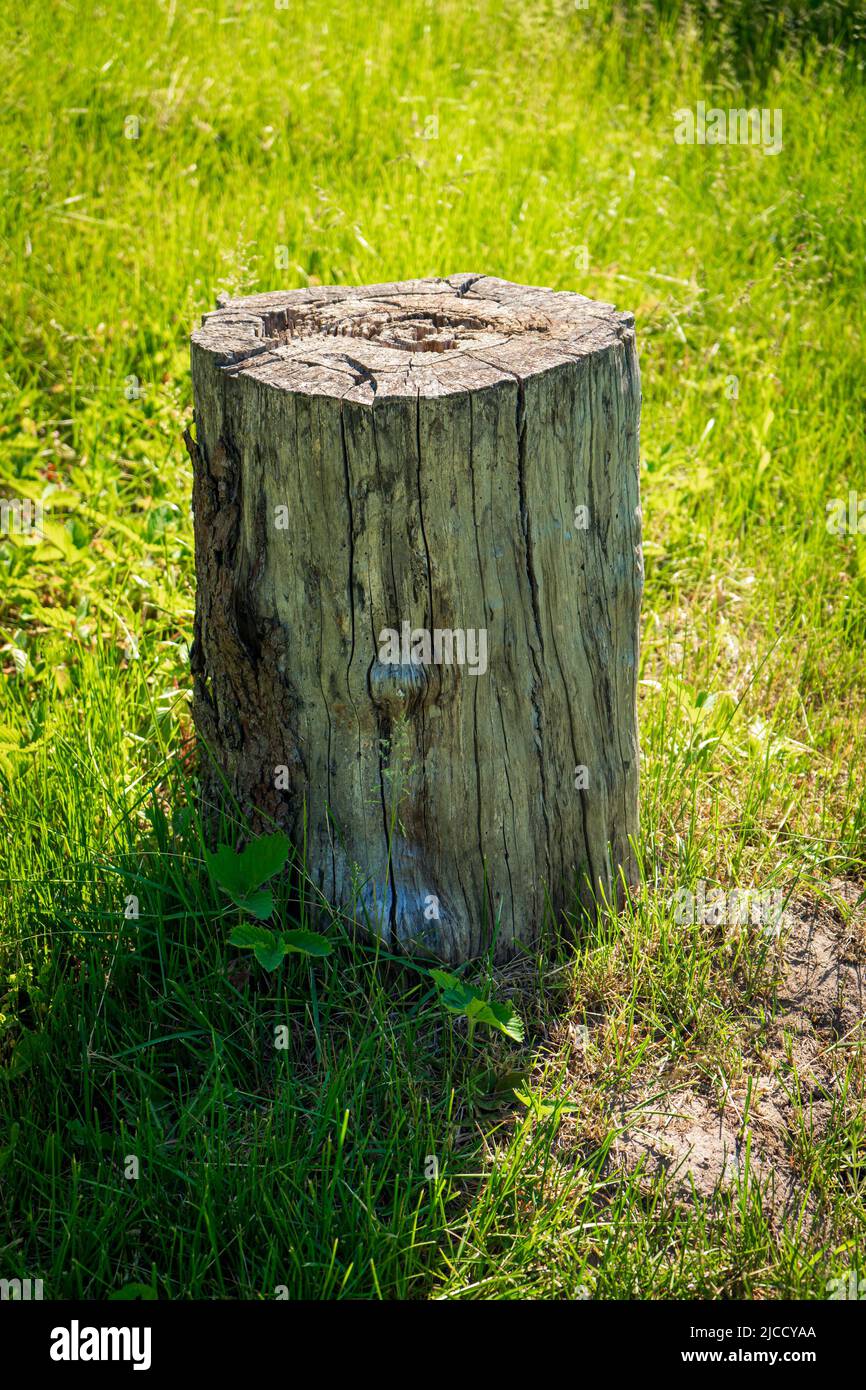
x=398 y=690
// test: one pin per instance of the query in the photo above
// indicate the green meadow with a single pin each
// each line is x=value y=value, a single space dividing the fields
x=154 y=1131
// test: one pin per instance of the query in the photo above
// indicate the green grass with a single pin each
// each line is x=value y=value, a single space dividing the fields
x=277 y=150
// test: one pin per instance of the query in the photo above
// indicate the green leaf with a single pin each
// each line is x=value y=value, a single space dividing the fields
x=265 y=857
x=240 y=874
x=309 y=943
x=130 y=1292
x=494 y=1090
x=249 y=935
x=266 y=946
x=460 y=998
x=542 y=1107
x=506 y=1019
x=225 y=867
x=455 y=995
x=269 y=956
x=27 y=1051
x=260 y=904
x=443 y=979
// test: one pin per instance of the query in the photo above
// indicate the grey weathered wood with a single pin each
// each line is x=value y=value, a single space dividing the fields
x=431 y=441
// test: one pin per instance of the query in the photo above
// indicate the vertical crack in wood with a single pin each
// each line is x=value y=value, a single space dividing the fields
x=486 y=614
x=520 y=425
x=356 y=772
x=434 y=691
x=382 y=723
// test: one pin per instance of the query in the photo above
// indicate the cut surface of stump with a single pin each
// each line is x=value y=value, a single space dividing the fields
x=419 y=573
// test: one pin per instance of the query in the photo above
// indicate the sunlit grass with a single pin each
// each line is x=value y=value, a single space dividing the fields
x=279 y=147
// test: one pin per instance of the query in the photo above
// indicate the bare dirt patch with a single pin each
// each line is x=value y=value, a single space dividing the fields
x=706 y=1140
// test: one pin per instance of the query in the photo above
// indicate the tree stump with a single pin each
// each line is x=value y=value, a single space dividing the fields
x=419 y=570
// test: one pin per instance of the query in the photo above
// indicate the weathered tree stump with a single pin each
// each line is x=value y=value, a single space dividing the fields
x=419 y=569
